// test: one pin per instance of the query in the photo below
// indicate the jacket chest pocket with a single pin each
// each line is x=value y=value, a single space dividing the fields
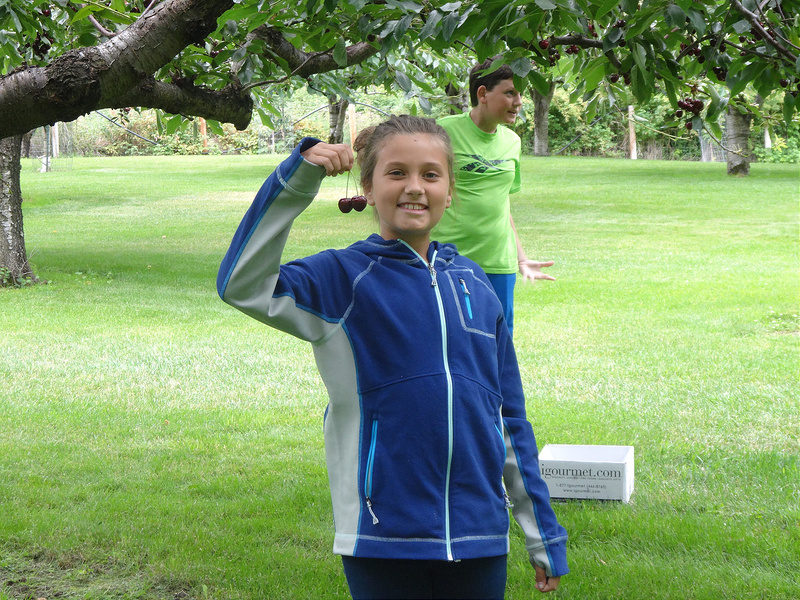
x=476 y=306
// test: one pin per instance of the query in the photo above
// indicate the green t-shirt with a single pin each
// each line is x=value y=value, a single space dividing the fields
x=487 y=170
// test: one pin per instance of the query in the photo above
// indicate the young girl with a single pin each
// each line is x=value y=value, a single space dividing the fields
x=426 y=440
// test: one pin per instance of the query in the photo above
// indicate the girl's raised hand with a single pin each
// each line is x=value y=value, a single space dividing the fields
x=335 y=158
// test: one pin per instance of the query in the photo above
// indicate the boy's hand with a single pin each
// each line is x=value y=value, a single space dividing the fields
x=544 y=583
x=531 y=270
x=335 y=158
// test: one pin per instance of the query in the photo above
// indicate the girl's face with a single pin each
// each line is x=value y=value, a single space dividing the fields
x=410 y=188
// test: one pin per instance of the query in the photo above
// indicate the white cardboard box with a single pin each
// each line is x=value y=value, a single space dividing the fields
x=588 y=472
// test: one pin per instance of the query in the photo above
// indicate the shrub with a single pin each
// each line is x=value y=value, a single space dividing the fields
x=782 y=151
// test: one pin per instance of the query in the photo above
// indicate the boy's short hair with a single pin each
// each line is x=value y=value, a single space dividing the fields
x=490 y=80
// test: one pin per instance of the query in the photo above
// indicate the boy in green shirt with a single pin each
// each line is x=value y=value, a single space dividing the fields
x=487 y=167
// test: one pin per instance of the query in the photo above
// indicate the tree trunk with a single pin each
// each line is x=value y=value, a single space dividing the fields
x=737 y=132
x=26 y=144
x=14 y=267
x=337 y=111
x=541 y=112
x=457 y=99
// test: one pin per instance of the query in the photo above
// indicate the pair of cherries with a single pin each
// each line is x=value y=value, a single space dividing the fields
x=358 y=203
x=349 y=203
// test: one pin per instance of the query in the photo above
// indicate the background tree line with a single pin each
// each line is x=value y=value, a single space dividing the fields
x=659 y=134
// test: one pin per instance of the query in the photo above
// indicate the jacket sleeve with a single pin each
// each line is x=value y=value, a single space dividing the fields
x=545 y=539
x=251 y=277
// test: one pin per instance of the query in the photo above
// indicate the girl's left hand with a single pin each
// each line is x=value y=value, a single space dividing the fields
x=335 y=158
x=544 y=583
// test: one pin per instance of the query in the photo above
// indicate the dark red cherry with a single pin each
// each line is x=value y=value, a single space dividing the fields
x=359 y=203
x=345 y=204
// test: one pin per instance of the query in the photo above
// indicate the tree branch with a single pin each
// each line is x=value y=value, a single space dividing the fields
x=231 y=104
x=305 y=64
x=753 y=20
x=83 y=80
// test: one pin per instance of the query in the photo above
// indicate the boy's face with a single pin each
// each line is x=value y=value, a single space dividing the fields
x=502 y=103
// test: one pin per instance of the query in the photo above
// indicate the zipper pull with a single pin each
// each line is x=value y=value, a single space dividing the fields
x=433 y=274
x=466 y=296
x=464 y=285
x=374 y=518
x=432 y=269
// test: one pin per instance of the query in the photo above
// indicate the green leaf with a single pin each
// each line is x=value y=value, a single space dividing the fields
x=604 y=8
x=594 y=75
x=789 y=104
x=239 y=54
x=716 y=103
x=15 y=18
x=591 y=109
x=231 y=28
x=670 y=89
x=340 y=52
x=741 y=26
x=407 y=6
x=520 y=83
x=433 y=20
x=403 y=81
x=539 y=82
x=674 y=16
x=521 y=66
x=449 y=25
x=173 y=124
x=612 y=97
x=736 y=82
x=215 y=127
x=81 y=14
x=698 y=21
x=271 y=108
x=639 y=56
x=643 y=21
x=402 y=27
x=545 y=4
x=765 y=82
x=714 y=127
x=642 y=86
x=425 y=104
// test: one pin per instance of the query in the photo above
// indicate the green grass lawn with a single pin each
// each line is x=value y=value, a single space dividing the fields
x=156 y=443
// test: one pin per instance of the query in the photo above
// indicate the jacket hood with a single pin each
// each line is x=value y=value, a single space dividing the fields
x=375 y=246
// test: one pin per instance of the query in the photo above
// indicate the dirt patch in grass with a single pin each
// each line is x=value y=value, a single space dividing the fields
x=42 y=574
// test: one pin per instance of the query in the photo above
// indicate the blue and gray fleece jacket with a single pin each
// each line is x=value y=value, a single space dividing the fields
x=426 y=438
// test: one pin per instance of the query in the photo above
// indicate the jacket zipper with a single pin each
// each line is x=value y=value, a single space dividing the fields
x=448 y=540
x=443 y=324
x=466 y=296
x=370 y=466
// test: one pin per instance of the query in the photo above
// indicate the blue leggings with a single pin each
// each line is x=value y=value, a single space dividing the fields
x=504 y=288
x=379 y=578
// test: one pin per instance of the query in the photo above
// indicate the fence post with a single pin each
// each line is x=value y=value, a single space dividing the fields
x=631 y=133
